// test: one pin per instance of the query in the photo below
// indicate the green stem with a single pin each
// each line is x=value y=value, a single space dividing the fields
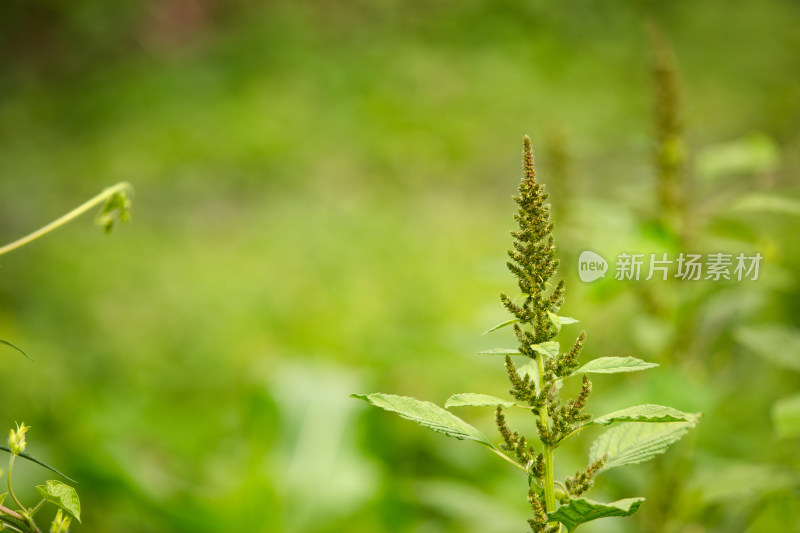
x=38 y=506
x=509 y=459
x=8 y=477
x=75 y=213
x=569 y=435
x=549 y=482
x=23 y=514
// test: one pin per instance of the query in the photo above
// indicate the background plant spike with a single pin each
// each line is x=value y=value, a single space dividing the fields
x=641 y=432
x=669 y=153
x=558 y=157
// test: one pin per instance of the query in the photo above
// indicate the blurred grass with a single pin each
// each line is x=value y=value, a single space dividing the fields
x=322 y=206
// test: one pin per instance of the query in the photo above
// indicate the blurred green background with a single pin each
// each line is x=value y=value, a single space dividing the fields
x=322 y=207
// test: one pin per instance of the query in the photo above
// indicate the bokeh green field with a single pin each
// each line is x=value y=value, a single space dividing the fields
x=323 y=200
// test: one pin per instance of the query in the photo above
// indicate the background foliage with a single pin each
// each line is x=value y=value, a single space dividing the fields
x=323 y=201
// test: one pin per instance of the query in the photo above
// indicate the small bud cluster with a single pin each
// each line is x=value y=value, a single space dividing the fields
x=570 y=416
x=523 y=388
x=526 y=338
x=583 y=480
x=513 y=442
x=566 y=363
x=16 y=439
x=538 y=523
x=116 y=208
x=60 y=523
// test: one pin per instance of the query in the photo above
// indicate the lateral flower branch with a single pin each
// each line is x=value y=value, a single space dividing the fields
x=536 y=370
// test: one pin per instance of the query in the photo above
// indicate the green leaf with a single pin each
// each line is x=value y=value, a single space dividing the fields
x=426 y=414
x=38 y=462
x=579 y=511
x=481 y=509
x=476 y=400
x=548 y=349
x=501 y=325
x=500 y=351
x=733 y=482
x=63 y=496
x=767 y=203
x=786 y=417
x=632 y=443
x=559 y=321
x=530 y=369
x=643 y=413
x=749 y=154
x=614 y=365
x=566 y=320
x=17 y=348
x=776 y=343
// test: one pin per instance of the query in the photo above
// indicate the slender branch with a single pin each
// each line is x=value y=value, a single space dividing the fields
x=23 y=515
x=13 y=514
x=8 y=477
x=75 y=213
x=38 y=506
x=569 y=435
x=509 y=459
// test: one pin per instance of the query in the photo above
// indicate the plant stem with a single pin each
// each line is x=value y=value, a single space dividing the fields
x=23 y=514
x=509 y=459
x=549 y=481
x=569 y=435
x=38 y=506
x=9 y=512
x=75 y=213
x=8 y=477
